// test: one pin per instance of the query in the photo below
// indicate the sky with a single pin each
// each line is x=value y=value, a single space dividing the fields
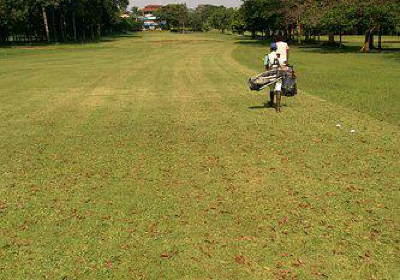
x=189 y=3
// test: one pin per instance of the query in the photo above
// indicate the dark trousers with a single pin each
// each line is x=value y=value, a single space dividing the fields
x=271 y=96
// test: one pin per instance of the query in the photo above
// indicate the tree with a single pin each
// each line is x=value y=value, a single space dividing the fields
x=377 y=15
x=253 y=15
x=4 y=22
x=238 y=24
x=295 y=13
x=221 y=18
x=176 y=15
x=195 y=21
x=334 y=19
x=59 y=20
x=182 y=16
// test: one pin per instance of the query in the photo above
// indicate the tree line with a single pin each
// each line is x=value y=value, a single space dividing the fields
x=85 y=20
x=60 y=20
x=293 y=19
x=203 y=18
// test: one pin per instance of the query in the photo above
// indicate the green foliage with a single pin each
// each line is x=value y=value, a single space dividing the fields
x=128 y=25
x=335 y=17
x=238 y=21
x=221 y=18
x=320 y=16
x=205 y=12
x=24 y=18
x=350 y=14
x=195 y=21
x=176 y=15
x=66 y=19
x=204 y=17
x=260 y=15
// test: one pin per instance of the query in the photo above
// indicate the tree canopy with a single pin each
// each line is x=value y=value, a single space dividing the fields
x=59 y=20
x=307 y=17
x=81 y=20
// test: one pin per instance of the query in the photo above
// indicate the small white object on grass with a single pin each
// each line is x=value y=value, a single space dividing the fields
x=338 y=125
x=352 y=131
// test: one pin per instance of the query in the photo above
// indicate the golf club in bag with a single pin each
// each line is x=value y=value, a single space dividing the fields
x=285 y=74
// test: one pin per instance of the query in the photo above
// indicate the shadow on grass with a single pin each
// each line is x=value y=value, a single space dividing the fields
x=254 y=42
x=326 y=49
x=266 y=105
x=115 y=37
x=105 y=39
x=318 y=47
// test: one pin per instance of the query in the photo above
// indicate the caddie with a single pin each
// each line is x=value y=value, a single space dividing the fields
x=271 y=58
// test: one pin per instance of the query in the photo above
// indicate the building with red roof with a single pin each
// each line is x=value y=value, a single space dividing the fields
x=151 y=8
x=150 y=21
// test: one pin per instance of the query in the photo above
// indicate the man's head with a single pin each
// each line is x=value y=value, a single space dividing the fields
x=278 y=38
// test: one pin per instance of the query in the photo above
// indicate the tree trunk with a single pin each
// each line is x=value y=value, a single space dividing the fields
x=380 y=39
x=74 y=26
x=371 y=40
x=299 y=32
x=368 y=42
x=46 y=24
x=92 y=32
x=340 y=36
x=307 y=35
x=84 y=30
x=253 y=33
x=29 y=35
x=331 y=39
x=365 y=47
x=55 y=34
x=62 y=29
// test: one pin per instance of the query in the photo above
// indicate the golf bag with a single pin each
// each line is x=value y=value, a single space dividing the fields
x=284 y=74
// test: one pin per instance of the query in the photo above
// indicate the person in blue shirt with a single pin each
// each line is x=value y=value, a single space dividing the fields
x=272 y=60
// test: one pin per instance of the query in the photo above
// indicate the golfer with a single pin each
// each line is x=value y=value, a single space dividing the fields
x=283 y=49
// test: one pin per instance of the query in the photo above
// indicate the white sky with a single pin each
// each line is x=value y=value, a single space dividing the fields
x=189 y=3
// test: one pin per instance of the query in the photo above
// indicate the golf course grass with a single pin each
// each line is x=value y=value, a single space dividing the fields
x=147 y=157
x=364 y=82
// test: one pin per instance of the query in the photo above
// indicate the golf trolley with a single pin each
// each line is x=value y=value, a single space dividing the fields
x=282 y=74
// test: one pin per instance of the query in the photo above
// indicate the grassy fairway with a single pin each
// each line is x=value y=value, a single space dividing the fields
x=148 y=158
x=367 y=83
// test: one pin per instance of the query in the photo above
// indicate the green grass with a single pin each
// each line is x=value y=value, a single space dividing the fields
x=148 y=158
x=366 y=83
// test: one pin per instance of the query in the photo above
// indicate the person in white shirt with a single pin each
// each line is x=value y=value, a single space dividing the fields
x=283 y=49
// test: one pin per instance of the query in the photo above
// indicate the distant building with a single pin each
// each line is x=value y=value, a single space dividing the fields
x=125 y=15
x=149 y=20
